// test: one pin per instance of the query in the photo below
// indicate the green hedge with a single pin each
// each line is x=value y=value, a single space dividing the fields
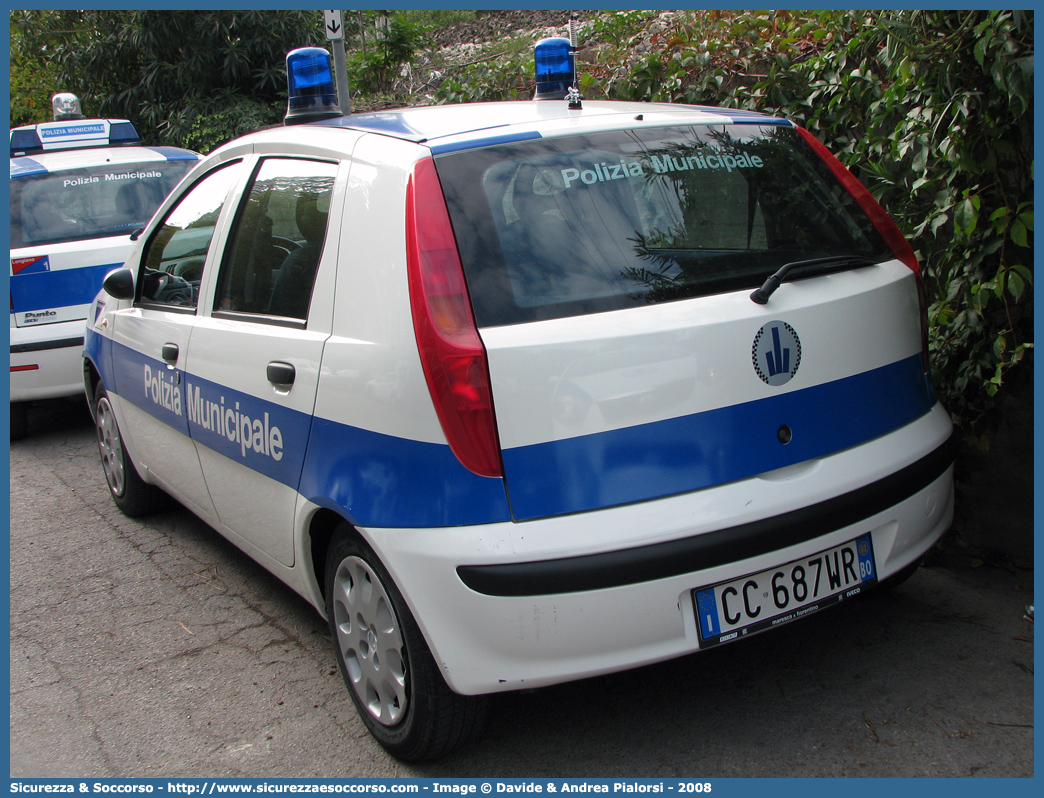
x=932 y=110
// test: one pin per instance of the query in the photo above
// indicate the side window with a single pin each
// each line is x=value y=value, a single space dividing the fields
x=173 y=261
x=269 y=268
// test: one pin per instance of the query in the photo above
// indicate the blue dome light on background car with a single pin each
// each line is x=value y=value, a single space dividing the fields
x=554 y=68
x=310 y=86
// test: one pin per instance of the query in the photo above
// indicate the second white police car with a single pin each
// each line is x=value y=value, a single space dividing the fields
x=519 y=393
x=80 y=188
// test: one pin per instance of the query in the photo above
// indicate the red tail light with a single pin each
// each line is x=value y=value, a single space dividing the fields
x=884 y=225
x=451 y=352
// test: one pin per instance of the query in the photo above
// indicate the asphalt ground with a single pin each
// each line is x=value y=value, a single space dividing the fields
x=154 y=648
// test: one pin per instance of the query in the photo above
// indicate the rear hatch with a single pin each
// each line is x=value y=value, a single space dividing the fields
x=610 y=276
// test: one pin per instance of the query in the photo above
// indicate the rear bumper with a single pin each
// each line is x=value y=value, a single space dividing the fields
x=47 y=361
x=711 y=549
x=512 y=605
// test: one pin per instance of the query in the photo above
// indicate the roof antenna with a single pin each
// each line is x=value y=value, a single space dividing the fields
x=573 y=93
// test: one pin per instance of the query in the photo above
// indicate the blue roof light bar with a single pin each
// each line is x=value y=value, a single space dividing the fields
x=310 y=86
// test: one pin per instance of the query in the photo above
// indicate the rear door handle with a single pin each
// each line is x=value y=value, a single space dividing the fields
x=281 y=373
x=170 y=353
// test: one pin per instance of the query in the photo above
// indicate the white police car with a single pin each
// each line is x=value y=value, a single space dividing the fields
x=79 y=188
x=518 y=393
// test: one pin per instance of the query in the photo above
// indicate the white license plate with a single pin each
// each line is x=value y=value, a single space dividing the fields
x=779 y=595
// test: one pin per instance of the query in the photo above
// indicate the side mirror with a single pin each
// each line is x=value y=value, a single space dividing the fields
x=119 y=284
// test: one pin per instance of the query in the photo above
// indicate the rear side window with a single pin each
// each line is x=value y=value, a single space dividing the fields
x=566 y=226
x=270 y=266
x=97 y=202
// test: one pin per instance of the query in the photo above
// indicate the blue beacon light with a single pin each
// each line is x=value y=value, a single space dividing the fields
x=554 y=68
x=310 y=86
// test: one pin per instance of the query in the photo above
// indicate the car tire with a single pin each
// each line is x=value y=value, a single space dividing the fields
x=19 y=420
x=132 y=494
x=396 y=687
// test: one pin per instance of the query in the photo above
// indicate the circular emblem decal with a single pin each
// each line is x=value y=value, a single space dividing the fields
x=776 y=353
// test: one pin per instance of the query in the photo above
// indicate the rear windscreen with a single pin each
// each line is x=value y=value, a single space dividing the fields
x=96 y=202
x=558 y=227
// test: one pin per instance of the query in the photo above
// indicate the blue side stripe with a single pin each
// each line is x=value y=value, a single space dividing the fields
x=746 y=120
x=487 y=141
x=384 y=481
x=711 y=448
x=98 y=350
x=372 y=479
x=174 y=153
x=391 y=122
x=26 y=167
x=262 y=435
x=380 y=480
x=58 y=289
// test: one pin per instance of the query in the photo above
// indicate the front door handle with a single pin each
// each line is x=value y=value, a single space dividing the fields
x=170 y=353
x=281 y=373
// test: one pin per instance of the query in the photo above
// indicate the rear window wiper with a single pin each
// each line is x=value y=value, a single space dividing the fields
x=833 y=263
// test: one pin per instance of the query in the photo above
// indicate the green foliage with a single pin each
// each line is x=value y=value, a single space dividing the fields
x=381 y=69
x=33 y=83
x=489 y=78
x=932 y=110
x=235 y=116
x=945 y=144
x=165 y=69
x=374 y=67
x=619 y=28
x=431 y=18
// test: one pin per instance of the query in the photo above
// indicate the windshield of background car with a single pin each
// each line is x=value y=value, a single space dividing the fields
x=558 y=227
x=94 y=202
